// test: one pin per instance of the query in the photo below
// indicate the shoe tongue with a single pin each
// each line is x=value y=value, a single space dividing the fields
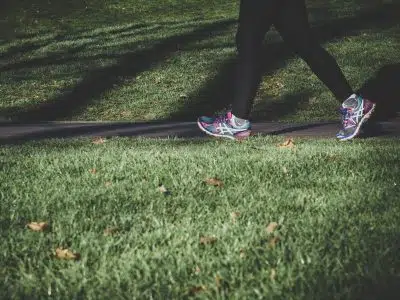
x=351 y=102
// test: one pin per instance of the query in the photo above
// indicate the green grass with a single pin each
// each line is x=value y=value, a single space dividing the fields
x=163 y=60
x=336 y=205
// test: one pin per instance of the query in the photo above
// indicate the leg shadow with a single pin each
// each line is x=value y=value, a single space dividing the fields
x=273 y=110
x=384 y=89
x=216 y=93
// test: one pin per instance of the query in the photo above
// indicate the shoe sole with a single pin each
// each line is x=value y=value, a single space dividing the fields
x=363 y=120
x=239 y=136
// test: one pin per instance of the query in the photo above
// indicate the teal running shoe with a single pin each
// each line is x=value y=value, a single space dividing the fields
x=355 y=112
x=225 y=125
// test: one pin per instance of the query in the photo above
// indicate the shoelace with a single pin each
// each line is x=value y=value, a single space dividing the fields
x=346 y=116
x=221 y=118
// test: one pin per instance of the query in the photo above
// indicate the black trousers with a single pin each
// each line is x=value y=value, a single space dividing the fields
x=290 y=18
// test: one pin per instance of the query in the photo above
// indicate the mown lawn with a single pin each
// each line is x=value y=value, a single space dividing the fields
x=173 y=60
x=316 y=221
x=336 y=207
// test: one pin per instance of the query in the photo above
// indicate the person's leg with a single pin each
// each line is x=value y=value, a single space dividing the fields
x=255 y=19
x=293 y=25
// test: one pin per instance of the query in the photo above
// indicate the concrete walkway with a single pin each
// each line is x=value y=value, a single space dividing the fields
x=11 y=133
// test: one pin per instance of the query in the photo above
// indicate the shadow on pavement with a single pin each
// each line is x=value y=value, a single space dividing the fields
x=14 y=133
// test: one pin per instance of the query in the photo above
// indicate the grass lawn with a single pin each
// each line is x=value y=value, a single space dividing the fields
x=336 y=206
x=172 y=60
x=317 y=221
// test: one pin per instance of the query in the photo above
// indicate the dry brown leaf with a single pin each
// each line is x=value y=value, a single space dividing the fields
x=93 y=171
x=125 y=113
x=98 y=140
x=273 y=274
x=197 y=289
x=207 y=240
x=163 y=190
x=287 y=144
x=234 y=216
x=110 y=231
x=67 y=254
x=271 y=227
x=242 y=253
x=214 y=182
x=273 y=241
x=38 y=226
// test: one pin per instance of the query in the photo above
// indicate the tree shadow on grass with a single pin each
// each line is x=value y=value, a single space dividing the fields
x=67 y=55
x=273 y=110
x=217 y=92
x=101 y=80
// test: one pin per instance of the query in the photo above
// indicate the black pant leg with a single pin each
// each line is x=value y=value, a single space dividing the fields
x=255 y=19
x=292 y=23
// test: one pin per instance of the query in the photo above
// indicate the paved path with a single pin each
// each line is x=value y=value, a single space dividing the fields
x=14 y=133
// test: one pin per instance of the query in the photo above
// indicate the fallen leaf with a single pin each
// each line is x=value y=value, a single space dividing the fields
x=38 y=226
x=242 y=253
x=214 y=182
x=234 y=216
x=273 y=274
x=125 y=113
x=67 y=254
x=110 y=231
x=207 y=240
x=197 y=289
x=273 y=241
x=98 y=140
x=108 y=183
x=271 y=227
x=164 y=190
x=287 y=144
x=93 y=171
